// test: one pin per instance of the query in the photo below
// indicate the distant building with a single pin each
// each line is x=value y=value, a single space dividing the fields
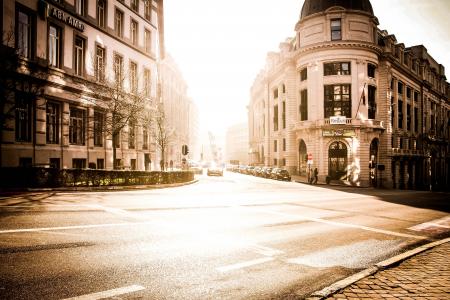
x=236 y=145
x=180 y=111
x=345 y=97
x=75 y=43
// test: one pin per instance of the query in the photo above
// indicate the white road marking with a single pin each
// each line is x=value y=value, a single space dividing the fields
x=338 y=224
x=117 y=211
x=266 y=251
x=71 y=227
x=434 y=225
x=244 y=264
x=109 y=293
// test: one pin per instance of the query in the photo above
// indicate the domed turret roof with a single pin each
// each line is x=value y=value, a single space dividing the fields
x=315 y=6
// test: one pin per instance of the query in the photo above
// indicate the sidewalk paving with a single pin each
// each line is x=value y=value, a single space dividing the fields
x=422 y=276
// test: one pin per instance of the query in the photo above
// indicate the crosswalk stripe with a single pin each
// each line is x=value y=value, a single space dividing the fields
x=109 y=293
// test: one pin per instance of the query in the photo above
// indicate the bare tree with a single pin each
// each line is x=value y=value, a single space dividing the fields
x=121 y=106
x=161 y=132
x=22 y=81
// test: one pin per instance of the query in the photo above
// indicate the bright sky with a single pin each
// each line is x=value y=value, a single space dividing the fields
x=220 y=46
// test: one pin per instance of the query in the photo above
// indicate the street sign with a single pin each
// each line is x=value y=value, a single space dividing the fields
x=338 y=120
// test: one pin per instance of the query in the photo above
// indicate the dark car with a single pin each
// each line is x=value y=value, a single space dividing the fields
x=280 y=174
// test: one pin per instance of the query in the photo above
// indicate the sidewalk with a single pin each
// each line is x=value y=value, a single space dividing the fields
x=413 y=275
x=304 y=179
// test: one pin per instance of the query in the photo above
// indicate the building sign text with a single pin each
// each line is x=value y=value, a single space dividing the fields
x=60 y=15
x=338 y=120
x=338 y=132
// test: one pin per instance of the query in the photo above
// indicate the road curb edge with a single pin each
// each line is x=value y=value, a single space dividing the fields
x=341 y=284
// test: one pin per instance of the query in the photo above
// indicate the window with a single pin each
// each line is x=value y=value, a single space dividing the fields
x=147 y=41
x=78 y=62
x=284 y=144
x=283 y=115
x=134 y=32
x=304 y=74
x=118 y=70
x=275 y=162
x=400 y=114
x=99 y=120
x=303 y=105
x=100 y=163
x=134 y=5
x=408 y=92
x=275 y=146
x=283 y=162
x=101 y=13
x=148 y=10
x=337 y=100
x=79 y=163
x=23 y=117
x=275 y=94
x=336 y=33
x=371 y=70
x=118 y=24
x=372 y=110
x=55 y=163
x=132 y=134
x=133 y=164
x=147 y=82
x=275 y=118
x=133 y=77
x=23 y=34
x=408 y=117
x=100 y=63
x=400 y=88
x=25 y=162
x=145 y=139
x=52 y=124
x=77 y=126
x=283 y=88
x=416 y=119
x=337 y=68
x=54 y=46
x=80 y=7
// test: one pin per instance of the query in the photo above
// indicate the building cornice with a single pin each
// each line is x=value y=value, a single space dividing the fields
x=339 y=45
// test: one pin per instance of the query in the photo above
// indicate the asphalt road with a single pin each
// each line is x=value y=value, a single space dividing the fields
x=231 y=237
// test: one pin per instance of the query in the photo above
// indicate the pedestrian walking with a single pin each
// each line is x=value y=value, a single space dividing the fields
x=316 y=176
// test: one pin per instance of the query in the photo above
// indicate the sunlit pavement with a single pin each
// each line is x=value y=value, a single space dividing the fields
x=230 y=237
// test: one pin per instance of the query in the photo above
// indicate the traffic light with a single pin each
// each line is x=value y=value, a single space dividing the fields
x=184 y=150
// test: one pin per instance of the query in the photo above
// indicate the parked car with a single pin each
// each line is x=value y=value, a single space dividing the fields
x=280 y=174
x=249 y=170
x=257 y=171
x=266 y=172
x=214 y=170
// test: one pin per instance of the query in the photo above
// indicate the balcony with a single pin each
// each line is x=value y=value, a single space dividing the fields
x=406 y=152
x=349 y=123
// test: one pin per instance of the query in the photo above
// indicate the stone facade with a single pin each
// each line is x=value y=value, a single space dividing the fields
x=181 y=114
x=346 y=98
x=69 y=39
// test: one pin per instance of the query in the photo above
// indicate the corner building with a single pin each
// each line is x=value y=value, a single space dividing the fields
x=346 y=98
x=77 y=44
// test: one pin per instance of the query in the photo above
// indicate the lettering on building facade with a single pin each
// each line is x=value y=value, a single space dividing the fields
x=71 y=21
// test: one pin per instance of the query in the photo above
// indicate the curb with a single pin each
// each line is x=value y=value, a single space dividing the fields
x=97 y=188
x=337 y=286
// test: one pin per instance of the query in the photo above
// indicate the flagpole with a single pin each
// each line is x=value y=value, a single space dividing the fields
x=359 y=104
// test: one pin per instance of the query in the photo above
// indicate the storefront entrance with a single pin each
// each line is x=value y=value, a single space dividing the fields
x=337 y=161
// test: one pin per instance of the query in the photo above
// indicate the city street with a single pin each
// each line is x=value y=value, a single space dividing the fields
x=230 y=237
